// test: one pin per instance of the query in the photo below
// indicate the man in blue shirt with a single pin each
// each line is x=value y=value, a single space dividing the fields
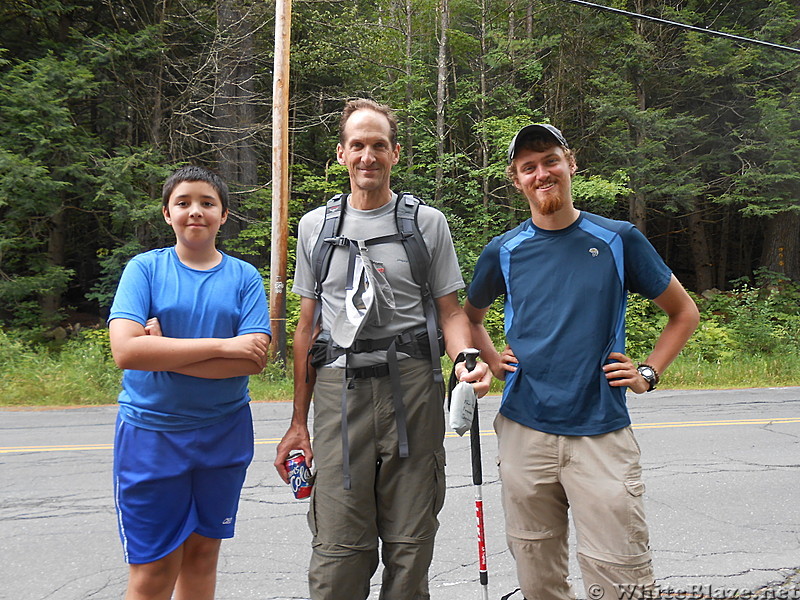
x=563 y=428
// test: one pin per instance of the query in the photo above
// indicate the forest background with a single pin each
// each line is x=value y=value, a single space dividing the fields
x=694 y=138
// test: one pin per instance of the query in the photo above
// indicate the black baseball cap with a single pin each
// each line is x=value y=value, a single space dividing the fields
x=536 y=128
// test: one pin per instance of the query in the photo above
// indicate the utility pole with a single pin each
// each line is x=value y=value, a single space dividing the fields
x=280 y=179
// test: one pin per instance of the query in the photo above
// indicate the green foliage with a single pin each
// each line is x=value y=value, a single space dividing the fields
x=254 y=240
x=45 y=160
x=97 y=339
x=762 y=320
x=598 y=194
x=79 y=372
x=494 y=322
x=16 y=293
x=129 y=186
x=644 y=322
x=768 y=182
x=112 y=262
x=743 y=371
x=712 y=343
x=99 y=99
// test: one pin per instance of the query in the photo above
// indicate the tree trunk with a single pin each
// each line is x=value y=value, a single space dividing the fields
x=781 y=252
x=234 y=112
x=484 y=143
x=157 y=115
x=701 y=252
x=409 y=136
x=529 y=20
x=511 y=36
x=724 y=248
x=637 y=211
x=441 y=98
x=50 y=302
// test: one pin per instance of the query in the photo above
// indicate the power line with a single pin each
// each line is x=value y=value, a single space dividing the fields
x=729 y=36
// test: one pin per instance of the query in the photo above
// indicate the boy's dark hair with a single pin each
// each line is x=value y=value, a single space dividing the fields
x=195 y=173
x=352 y=106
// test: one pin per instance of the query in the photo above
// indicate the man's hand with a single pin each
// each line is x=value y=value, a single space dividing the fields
x=508 y=364
x=623 y=373
x=480 y=377
x=296 y=438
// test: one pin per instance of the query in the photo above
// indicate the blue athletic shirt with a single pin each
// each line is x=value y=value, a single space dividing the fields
x=222 y=302
x=565 y=298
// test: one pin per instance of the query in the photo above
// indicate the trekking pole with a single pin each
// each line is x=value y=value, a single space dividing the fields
x=463 y=407
x=477 y=480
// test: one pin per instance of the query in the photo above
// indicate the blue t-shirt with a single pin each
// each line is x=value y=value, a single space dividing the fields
x=223 y=302
x=565 y=298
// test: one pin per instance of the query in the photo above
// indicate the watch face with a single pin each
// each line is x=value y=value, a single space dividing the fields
x=649 y=375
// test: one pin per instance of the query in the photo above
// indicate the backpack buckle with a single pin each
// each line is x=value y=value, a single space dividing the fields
x=337 y=241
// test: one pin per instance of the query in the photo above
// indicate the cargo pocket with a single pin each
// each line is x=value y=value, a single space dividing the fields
x=637 y=527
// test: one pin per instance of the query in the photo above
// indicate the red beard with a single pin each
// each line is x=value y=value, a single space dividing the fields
x=550 y=204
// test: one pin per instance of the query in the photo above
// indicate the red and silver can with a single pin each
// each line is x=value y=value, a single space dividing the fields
x=299 y=474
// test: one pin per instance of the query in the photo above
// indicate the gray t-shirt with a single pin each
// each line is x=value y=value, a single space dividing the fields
x=445 y=274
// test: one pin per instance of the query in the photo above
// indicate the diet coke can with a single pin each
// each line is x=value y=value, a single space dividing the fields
x=299 y=475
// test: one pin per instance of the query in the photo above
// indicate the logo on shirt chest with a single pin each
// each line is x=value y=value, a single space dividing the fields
x=594 y=252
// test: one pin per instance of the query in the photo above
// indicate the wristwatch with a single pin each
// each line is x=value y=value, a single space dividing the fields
x=650 y=375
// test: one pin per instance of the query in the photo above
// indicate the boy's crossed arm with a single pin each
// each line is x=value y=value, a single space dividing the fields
x=145 y=349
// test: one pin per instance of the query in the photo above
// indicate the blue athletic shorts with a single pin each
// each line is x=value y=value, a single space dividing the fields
x=169 y=484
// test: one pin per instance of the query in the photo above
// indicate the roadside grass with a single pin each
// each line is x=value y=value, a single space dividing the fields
x=78 y=374
x=748 y=371
x=82 y=373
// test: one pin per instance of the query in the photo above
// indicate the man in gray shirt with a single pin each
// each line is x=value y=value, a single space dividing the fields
x=378 y=406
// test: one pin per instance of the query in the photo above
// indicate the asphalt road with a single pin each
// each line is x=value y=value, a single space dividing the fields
x=722 y=470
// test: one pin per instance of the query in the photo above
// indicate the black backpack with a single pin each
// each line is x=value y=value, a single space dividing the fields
x=419 y=259
x=408 y=232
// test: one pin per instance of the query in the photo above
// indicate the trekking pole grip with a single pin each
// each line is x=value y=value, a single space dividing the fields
x=470 y=357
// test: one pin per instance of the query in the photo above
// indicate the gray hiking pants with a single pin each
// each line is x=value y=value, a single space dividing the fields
x=392 y=499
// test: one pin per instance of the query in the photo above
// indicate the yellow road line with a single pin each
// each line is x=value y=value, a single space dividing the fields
x=8 y=449
x=268 y=441
x=715 y=423
x=450 y=434
x=680 y=424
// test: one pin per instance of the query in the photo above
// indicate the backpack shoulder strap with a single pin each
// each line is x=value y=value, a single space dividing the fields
x=321 y=258
x=327 y=240
x=419 y=258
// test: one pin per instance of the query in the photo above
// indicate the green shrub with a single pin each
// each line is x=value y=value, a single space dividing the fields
x=80 y=371
x=96 y=338
x=762 y=318
x=712 y=343
x=495 y=323
x=644 y=322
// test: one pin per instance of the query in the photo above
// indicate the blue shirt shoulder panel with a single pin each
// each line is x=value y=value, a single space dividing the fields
x=645 y=272
x=488 y=282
